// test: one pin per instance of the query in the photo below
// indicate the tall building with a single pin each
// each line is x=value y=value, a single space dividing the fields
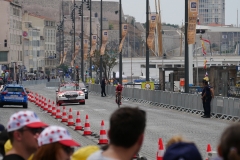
x=212 y=12
x=47 y=41
x=11 y=35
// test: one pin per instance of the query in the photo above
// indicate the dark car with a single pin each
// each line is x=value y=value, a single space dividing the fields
x=84 y=88
x=13 y=94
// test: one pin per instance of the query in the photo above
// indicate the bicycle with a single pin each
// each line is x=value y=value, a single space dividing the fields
x=118 y=99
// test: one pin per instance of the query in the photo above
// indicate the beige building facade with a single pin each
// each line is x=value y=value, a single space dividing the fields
x=11 y=47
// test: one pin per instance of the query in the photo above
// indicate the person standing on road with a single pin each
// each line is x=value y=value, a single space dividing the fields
x=126 y=135
x=206 y=100
x=103 y=84
x=55 y=144
x=23 y=129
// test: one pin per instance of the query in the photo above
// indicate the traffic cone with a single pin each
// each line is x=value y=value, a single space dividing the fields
x=209 y=150
x=45 y=105
x=53 y=110
x=87 y=130
x=78 y=125
x=58 y=113
x=103 y=135
x=70 y=118
x=160 y=151
x=49 y=107
x=64 y=115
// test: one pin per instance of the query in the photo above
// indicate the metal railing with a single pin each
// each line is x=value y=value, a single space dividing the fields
x=221 y=107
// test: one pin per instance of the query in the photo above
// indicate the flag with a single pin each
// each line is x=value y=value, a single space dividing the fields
x=124 y=33
x=104 y=41
x=152 y=24
x=93 y=45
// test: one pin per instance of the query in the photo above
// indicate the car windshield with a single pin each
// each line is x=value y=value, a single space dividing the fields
x=68 y=88
x=14 y=89
x=82 y=85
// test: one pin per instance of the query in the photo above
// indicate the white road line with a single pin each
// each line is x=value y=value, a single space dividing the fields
x=99 y=110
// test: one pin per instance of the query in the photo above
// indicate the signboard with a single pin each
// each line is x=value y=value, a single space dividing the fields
x=147 y=85
x=192 y=20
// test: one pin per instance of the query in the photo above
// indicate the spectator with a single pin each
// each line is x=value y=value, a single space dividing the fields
x=23 y=129
x=206 y=100
x=126 y=135
x=55 y=144
x=229 y=146
x=103 y=84
x=178 y=149
x=84 y=152
x=3 y=139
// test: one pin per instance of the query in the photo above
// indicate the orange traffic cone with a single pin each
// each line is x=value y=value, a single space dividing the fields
x=87 y=130
x=78 y=125
x=209 y=150
x=103 y=135
x=64 y=115
x=45 y=105
x=49 y=107
x=53 y=110
x=70 y=118
x=58 y=113
x=160 y=151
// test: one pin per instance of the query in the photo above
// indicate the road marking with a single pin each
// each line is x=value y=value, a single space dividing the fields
x=99 y=109
x=75 y=110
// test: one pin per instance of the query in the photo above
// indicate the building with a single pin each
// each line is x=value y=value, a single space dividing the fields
x=212 y=11
x=11 y=35
x=46 y=42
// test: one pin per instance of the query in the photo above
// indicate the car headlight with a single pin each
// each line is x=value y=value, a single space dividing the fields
x=61 y=95
x=81 y=94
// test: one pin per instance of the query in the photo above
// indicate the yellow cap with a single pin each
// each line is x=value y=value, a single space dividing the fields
x=7 y=146
x=84 y=152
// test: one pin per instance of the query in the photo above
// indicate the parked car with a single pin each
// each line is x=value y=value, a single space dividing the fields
x=13 y=94
x=84 y=89
x=69 y=93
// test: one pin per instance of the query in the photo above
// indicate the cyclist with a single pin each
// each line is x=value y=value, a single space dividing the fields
x=119 y=91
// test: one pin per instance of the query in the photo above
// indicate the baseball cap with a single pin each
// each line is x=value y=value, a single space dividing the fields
x=53 y=134
x=182 y=151
x=24 y=118
x=84 y=152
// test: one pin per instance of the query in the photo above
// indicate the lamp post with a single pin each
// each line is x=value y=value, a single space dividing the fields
x=120 y=39
x=147 y=49
x=90 y=8
x=186 y=62
x=82 y=54
x=101 y=60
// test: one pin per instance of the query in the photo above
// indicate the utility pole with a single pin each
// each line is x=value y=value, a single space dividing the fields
x=101 y=61
x=90 y=6
x=147 y=32
x=181 y=40
x=82 y=54
x=186 y=63
x=63 y=29
x=74 y=29
x=120 y=39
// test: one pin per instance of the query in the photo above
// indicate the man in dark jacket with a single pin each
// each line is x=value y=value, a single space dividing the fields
x=206 y=99
x=103 y=84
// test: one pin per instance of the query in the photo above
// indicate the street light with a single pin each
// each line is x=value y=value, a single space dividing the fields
x=120 y=39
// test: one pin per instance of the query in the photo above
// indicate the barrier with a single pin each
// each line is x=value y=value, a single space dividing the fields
x=221 y=107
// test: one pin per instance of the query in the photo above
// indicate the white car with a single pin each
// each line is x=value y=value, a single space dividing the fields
x=68 y=93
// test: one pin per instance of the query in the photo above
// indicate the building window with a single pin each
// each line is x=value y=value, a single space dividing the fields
x=3 y=56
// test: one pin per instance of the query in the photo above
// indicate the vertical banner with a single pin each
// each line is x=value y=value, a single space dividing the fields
x=192 y=20
x=64 y=54
x=77 y=46
x=124 y=33
x=93 y=45
x=152 y=27
x=61 y=57
x=85 y=48
x=104 y=41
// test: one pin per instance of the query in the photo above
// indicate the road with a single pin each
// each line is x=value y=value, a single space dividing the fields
x=161 y=123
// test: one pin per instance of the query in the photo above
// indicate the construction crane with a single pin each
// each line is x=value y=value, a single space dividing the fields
x=159 y=28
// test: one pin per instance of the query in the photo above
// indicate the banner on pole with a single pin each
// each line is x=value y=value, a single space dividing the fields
x=152 y=27
x=85 y=48
x=104 y=41
x=93 y=45
x=192 y=20
x=124 y=33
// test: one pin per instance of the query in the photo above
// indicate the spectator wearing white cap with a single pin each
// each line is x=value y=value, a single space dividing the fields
x=23 y=129
x=55 y=144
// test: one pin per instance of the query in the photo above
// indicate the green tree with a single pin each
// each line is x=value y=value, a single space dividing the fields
x=110 y=26
x=63 y=67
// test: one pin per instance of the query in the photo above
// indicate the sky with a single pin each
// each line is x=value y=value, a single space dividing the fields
x=173 y=10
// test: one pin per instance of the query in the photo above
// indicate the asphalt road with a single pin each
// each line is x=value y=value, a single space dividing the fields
x=161 y=123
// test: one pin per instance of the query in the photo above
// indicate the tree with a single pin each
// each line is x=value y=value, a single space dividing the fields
x=110 y=26
x=63 y=67
x=133 y=21
x=109 y=58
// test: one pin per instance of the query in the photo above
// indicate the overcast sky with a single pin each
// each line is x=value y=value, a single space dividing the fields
x=173 y=10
